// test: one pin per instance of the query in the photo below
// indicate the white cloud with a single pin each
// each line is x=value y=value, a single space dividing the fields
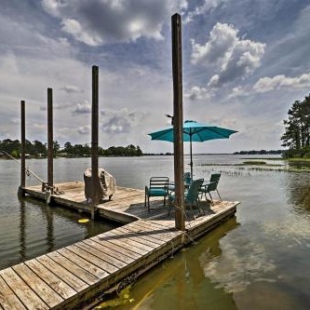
x=120 y=121
x=53 y=7
x=82 y=108
x=278 y=82
x=207 y=6
x=74 y=28
x=57 y=106
x=197 y=93
x=232 y=57
x=95 y=22
x=71 y=89
x=84 y=130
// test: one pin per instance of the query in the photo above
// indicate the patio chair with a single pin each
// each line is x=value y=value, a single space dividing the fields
x=191 y=196
x=186 y=179
x=211 y=186
x=158 y=188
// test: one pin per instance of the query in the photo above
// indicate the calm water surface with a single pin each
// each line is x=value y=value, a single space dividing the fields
x=260 y=259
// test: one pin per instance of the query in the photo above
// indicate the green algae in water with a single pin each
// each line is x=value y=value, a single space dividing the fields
x=121 y=299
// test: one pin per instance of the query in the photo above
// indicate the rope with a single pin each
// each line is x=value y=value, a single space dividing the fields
x=28 y=171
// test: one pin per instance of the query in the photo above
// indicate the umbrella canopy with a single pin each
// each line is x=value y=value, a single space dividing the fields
x=193 y=132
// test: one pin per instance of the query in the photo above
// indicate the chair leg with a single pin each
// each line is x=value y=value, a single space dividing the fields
x=211 y=198
x=191 y=209
x=170 y=205
x=200 y=208
x=219 y=195
x=148 y=204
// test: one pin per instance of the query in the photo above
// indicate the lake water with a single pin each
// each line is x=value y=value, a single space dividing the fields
x=257 y=260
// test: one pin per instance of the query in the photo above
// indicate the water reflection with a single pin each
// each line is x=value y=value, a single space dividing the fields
x=49 y=228
x=298 y=192
x=299 y=164
x=22 y=234
x=38 y=228
x=181 y=283
x=45 y=216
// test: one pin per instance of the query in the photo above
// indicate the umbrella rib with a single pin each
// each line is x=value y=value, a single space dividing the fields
x=210 y=129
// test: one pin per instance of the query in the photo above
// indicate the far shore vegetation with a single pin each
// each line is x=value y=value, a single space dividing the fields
x=37 y=149
x=295 y=140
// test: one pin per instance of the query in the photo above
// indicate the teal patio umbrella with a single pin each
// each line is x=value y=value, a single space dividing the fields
x=194 y=132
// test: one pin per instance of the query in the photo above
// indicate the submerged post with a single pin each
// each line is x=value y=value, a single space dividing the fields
x=22 y=154
x=50 y=145
x=94 y=136
x=178 y=120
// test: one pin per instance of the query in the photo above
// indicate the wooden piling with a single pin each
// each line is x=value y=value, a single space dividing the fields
x=178 y=120
x=95 y=136
x=50 y=151
x=23 y=143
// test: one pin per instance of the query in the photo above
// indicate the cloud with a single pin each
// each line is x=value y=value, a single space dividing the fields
x=95 y=22
x=84 y=130
x=82 y=108
x=57 y=106
x=231 y=56
x=208 y=5
x=116 y=122
x=197 y=93
x=71 y=89
x=278 y=82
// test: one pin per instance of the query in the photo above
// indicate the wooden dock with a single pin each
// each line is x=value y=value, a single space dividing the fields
x=71 y=277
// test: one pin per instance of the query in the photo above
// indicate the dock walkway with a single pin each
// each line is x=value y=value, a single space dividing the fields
x=73 y=276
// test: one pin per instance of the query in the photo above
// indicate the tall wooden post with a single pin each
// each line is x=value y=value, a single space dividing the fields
x=50 y=145
x=178 y=120
x=94 y=135
x=23 y=143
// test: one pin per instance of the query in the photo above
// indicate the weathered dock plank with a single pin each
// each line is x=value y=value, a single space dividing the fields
x=135 y=236
x=29 y=298
x=94 y=250
x=107 y=267
x=75 y=282
x=79 y=261
x=44 y=291
x=59 y=286
x=8 y=299
x=74 y=269
x=143 y=234
x=112 y=251
x=135 y=245
x=116 y=245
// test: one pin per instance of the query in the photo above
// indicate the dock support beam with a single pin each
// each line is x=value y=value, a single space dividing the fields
x=95 y=138
x=178 y=120
x=21 y=192
x=50 y=146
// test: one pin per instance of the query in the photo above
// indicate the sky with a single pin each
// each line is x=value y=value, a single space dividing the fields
x=245 y=62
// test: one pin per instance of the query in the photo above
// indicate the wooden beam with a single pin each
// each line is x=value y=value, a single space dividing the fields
x=23 y=142
x=94 y=134
x=178 y=120
x=50 y=167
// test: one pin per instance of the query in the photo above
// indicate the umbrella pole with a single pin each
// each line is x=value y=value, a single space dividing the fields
x=191 y=158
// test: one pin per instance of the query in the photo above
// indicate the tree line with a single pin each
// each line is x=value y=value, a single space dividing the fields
x=37 y=149
x=260 y=152
x=296 y=137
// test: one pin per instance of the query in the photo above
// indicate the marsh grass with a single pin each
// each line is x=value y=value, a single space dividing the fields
x=247 y=166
